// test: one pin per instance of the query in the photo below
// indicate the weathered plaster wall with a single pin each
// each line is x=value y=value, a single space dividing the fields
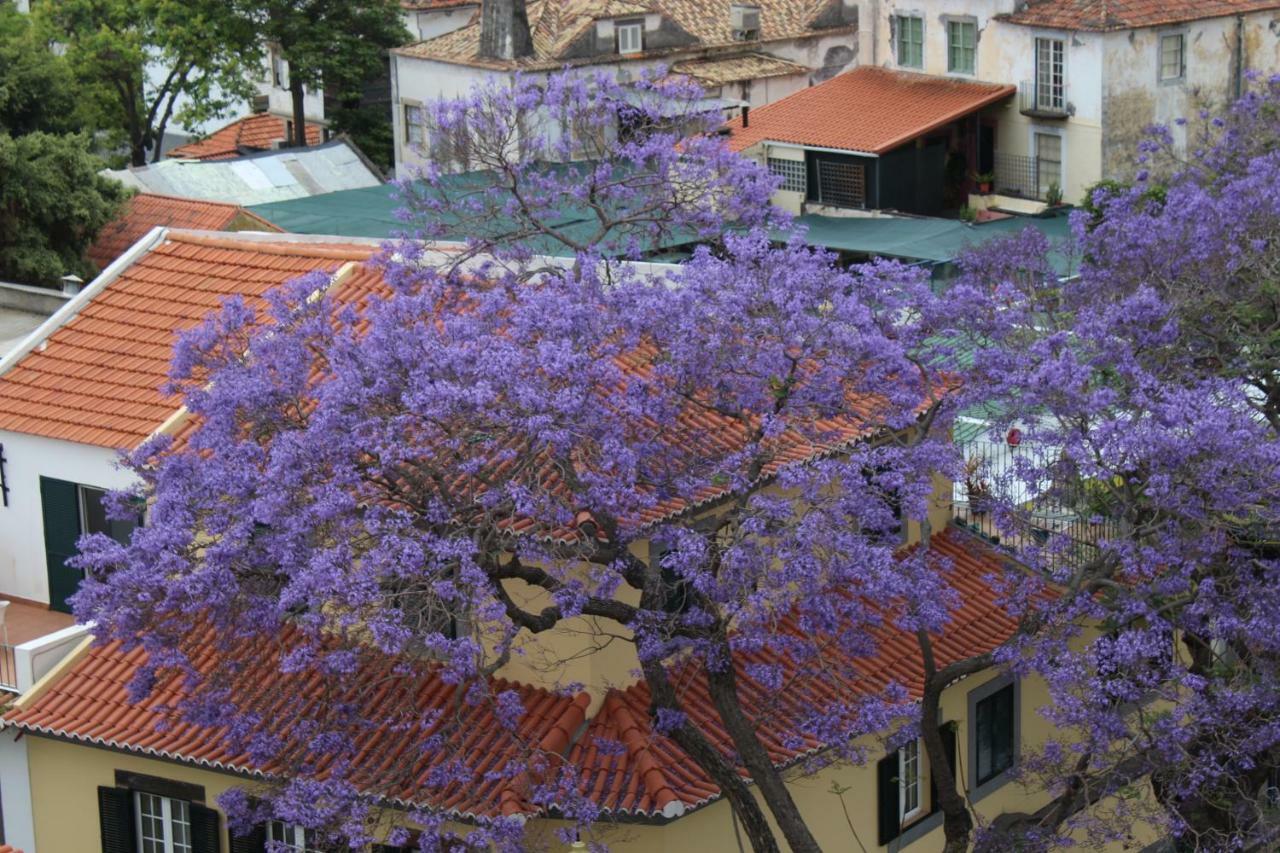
x=1134 y=97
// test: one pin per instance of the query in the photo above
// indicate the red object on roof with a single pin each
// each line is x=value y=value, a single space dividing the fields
x=5 y=848
x=258 y=132
x=97 y=379
x=868 y=110
x=147 y=210
x=624 y=767
x=1103 y=15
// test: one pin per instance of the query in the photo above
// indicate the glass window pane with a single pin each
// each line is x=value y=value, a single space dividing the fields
x=994 y=734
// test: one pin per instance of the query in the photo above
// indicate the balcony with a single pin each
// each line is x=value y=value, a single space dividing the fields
x=1021 y=176
x=1045 y=101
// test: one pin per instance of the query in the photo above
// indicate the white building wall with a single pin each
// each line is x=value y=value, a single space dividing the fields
x=428 y=24
x=15 y=792
x=423 y=81
x=23 y=573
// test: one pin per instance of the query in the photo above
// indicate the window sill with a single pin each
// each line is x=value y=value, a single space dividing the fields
x=992 y=785
x=916 y=831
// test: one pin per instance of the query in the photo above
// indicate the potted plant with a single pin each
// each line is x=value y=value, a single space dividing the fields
x=1053 y=195
x=984 y=181
x=976 y=487
x=968 y=214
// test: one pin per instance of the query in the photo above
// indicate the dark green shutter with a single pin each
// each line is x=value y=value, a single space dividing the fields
x=205 y=835
x=115 y=817
x=254 y=842
x=947 y=731
x=60 y=508
x=887 y=797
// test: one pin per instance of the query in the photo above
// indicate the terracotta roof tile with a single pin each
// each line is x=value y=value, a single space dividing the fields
x=147 y=210
x=557 y=25
x=624 y=767
x=1103 y=15
x=5 y=848
x=414 y=702
x=734 y=69
x=258 y=132
x=97 y=379
x=647 y=775
x=868 y=110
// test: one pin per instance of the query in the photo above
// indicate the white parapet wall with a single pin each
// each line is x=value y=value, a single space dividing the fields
x=34 y=658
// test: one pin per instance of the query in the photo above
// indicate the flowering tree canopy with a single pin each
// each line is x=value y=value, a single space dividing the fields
x=706 y=462
x=1146 y=392
x=711 y=465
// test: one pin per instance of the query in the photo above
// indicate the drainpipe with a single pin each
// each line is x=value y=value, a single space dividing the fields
x=1238 y=82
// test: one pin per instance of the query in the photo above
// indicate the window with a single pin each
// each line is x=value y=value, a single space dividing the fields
x=164 y=824
x=745 y=21
x=414 y=124
x=630 y=36
x=1172 y=57
x=993 y=722
x=909 y=780
x=1048 y=162
x=1051 y=80
x=69 y=510
x=292 y=837
x=841 y=183
x=279 y=72
x=962 y=43
x=793 y=173
x=909 y=31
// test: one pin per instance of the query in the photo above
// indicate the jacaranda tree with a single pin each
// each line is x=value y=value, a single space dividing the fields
x=494 y=450
x=1145 y=390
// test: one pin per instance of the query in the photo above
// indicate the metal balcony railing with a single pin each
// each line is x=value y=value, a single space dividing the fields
x=1043 y=100
x=1025 y=177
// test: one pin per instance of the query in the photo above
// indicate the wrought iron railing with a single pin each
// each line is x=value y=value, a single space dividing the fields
x=1043 y=100
x=996 y=502
x=1025 y=177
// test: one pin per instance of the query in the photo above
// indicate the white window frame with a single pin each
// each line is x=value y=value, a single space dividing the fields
x=1182 y=57
x=910 y=803
x=898 y=41
x=1056 y=59
x=293 y=836
x=168 y=822
x=630 y=35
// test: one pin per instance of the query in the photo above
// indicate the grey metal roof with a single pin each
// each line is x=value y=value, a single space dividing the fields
x=259 y=178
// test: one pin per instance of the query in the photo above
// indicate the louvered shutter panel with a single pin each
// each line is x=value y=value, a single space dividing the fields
x=60 y=511
x=887 y=797
x=115 y=817
x=254 y=842
x=205 y=837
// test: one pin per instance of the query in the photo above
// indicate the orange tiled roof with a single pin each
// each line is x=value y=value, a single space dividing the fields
x=5 y=848
x=147 y=210
x=258 y=132
x=412 y=699
x=558 y=27
x=867 y=110
x=97 y=379
x=625 y=767
x=651 y=776
x=1102 y=15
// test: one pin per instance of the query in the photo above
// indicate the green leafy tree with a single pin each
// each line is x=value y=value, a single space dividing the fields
x=202 y=48
x=37 y=90
x=339 y=45
x=53 y=202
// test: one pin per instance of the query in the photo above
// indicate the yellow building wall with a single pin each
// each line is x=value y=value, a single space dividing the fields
x=65 y=778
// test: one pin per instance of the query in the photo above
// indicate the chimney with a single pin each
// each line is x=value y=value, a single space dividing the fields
x=504 y=30
x=746 y=116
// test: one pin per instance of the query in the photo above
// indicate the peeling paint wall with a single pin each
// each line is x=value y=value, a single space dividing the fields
x=1135 y=97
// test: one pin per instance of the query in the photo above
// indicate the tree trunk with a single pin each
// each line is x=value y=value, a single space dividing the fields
x=957 y=824
x=724 y=692
x=298 y=96
x=696 y=745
